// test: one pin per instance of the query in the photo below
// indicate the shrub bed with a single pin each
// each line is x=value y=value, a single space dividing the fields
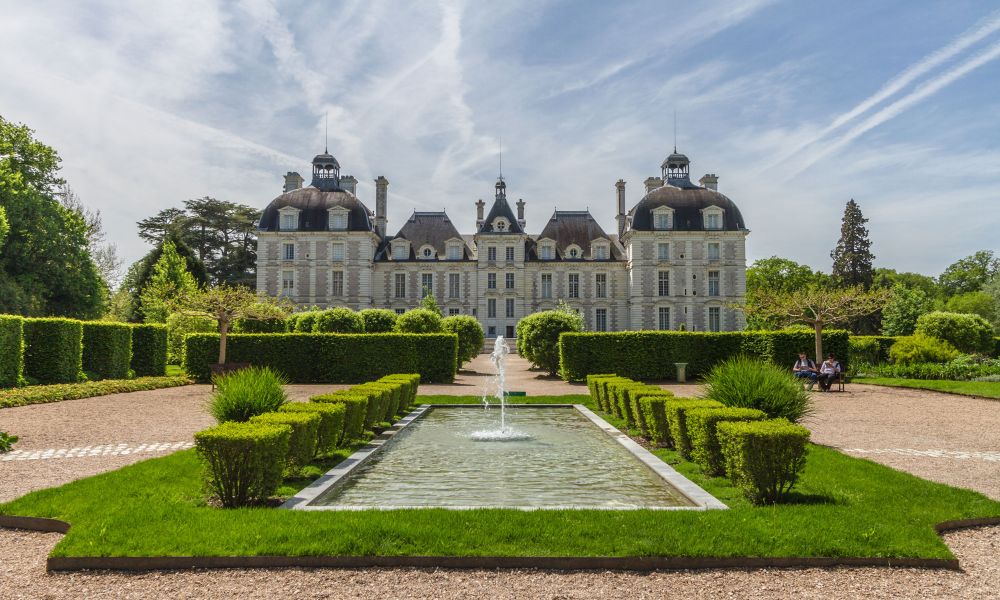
x=763 y=458
x=149 y=350
x=355 y=409
x=963 y=368
x=658 y=430
x=244 y=461
x=302 y=442
x=966 y=332
x=870 y=349
x=41 y=394
x=331 y=358
x=53 y=350
x=331 y=422
x=11 y=350
x=107 y=349
x=701 y=427
x=921 y=348
x=676 y=412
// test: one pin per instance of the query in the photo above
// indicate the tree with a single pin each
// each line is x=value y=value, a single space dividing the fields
x=225 y=304
x=470 y=336
x=169 y=281
x=993 y=289
x=538 y=336
x=852 y=258
x=429 y=302
x=776 y=274
x=889 y=278
x=976 y=303
x=818 y=307
x=139 y=273
x=970 y=274
x=4 y=226
x=899 y=317
x=105 y=254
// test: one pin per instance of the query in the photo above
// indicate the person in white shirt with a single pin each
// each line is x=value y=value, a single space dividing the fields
x=828 y=372
x=805 y=368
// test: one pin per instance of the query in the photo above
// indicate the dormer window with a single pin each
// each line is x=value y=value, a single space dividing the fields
x=454 y=252
x=289 y=220
x=712 y=217
x=600 y=252
x=546 y=252
x=400 y=251
x=500 y=224
x=338 y=219
x=574 y=252
x=663 y=218
x=427 y=252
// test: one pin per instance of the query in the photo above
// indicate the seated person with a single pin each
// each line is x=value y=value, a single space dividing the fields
x=828 y=372
x=805 y=368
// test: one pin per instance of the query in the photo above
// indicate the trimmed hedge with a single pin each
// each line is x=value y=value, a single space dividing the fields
x=260 y=326
x=355 y=408
x=11 y=350
x=331 y=424
x=635 y=396
x=701 y=427
x=149 y=350
x=330 y=357
x=658 y=430
x=379 y=404
x=107 y=349
x=378 y=320
x=410 y=385
x=305 y=432
x=53 y=350
x=763 y=458
x=592 y=387
x=870 y=349
x=244 y=461
x=338 y=320
x=650 y=355
x=42 y=394
x=676 y=412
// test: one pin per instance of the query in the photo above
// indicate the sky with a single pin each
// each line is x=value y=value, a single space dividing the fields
x=796 y=106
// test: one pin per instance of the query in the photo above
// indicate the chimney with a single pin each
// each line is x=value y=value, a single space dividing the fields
x=710 y=181
x=480 y=205
x=381 y=198
x=652 y=183
x=620 y=217
x=293 y=181
x=349 y=183
x=520 y=212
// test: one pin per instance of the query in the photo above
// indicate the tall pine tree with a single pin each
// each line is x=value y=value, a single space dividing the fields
x=852 y=258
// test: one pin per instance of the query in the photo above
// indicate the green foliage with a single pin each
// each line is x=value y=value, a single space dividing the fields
x=4 y=226
x=775 y=274
x=763 y=458
x=243 y=461
x=961 y=368
x=701 y=427
x=418 y=320
x=921 y=349
x=107 y=349
x=870 y=349
x=655 y=417
x=676 y=411
x=149 y=350
x=538 y=336
x=355 y=409
x=852 y=258
x=378 y=320
x=889 y=278
x=976 y=303
x=7 y=442
x=304 y=322
x=650 y=355
x=179 y=326
x=429 y=302
x=899 y=317
x=42 y=394
x=168 y=281
x=745 y=382
x=246 y=393
x=260 y=325
x=970 y=274
x=305 y=433
x=53 y=350
x=967 y=333
x=11 y=350
x=470 y=335
x=338 y=320
x=331 y=358
x=139 y=273
x=595 y=389
x=331 y=424
x=636 y=395
x=410 y=384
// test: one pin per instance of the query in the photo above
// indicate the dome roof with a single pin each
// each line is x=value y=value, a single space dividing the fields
x=687 y=203
x=314 y=205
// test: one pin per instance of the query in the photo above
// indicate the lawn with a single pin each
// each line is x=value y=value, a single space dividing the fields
x=843 y=507
x=983 y=389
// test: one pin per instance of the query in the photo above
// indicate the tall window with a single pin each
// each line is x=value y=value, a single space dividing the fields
x=601 y=253
x=288 y=251
x=337 y=283
x=400 y=252
x=714 y=318
x=508 y=281
x=601 y=285
x=338 y=221
x=491 y=281
x=510 y=308
x=337 y=252
x=663 y=283
x=289 y=222
x=713 y=251
x=426 y=284
x=491 y=308
x=510 y=253
x=663 y=221
x=454 y=284
x=663 y=251
x=713 y=283
x=400 y=285
x=601 y=319
x=574 y=285
x=664 y=317
x=287 y=283
x=491 y=253
x=546 y=285
x=546 y=252
x=713 y=221
x=454 y=252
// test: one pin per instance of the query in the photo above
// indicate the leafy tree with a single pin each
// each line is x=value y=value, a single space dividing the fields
x=419 y=320
x=538 y=336
x=970 y=274
x=4 y=226
x=899 y=317
x=429 y=302
x=852 y=258
x=470 y=335
x=170 y=280
x=993 y=289
x=139 y=273
x=776 y=274
x=889 y=278
x=975 y=303
x=105 y=254
x=226 y=304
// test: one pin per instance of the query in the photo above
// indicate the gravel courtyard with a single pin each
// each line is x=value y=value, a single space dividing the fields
x=946 y=438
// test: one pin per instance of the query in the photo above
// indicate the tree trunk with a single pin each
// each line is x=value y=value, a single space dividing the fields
x=818 y=326
x=223 y=330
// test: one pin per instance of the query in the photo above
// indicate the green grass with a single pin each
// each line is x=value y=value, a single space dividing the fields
x=843 y=507
x=176 y=371
x=983 y=389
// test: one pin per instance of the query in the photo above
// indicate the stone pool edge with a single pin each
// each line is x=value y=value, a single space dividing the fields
x=701 y=499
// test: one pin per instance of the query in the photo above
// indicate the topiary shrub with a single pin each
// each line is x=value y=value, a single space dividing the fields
x=243 y=461
x=355 y=410
x=763 y=458
x=149 y=350
x=275 y=325
x=966 y=332
x=338 y=320
x=179 y=326
x=331 y=424
x=378 y=320
x=676 y=413
x=380 y=403
x=655 y=417
x=538 y=336
x=470 y=336
x=606 y=391
x=304 y=322
x=246 y=393
x=107 y=349
x=746 y=382
x=53 y=350
x=612 y=389
x=592 y=387
x=916 y=349
x=418 y=320
x=637 y=394
x=701 y=428
x=11 y=351
x=410 y=383
x=305 y=433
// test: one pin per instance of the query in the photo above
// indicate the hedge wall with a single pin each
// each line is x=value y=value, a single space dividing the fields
x=149 y=350
x=53 y=350
x=107 y=349
x=650 y=355
x=331 y=357
x=11 y=350
x=871 y=349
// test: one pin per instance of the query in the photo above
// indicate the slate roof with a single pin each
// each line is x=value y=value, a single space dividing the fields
x=500 y=208
x=578 y=227
x=313 y=205
x=687 y=199
x=429 y=228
